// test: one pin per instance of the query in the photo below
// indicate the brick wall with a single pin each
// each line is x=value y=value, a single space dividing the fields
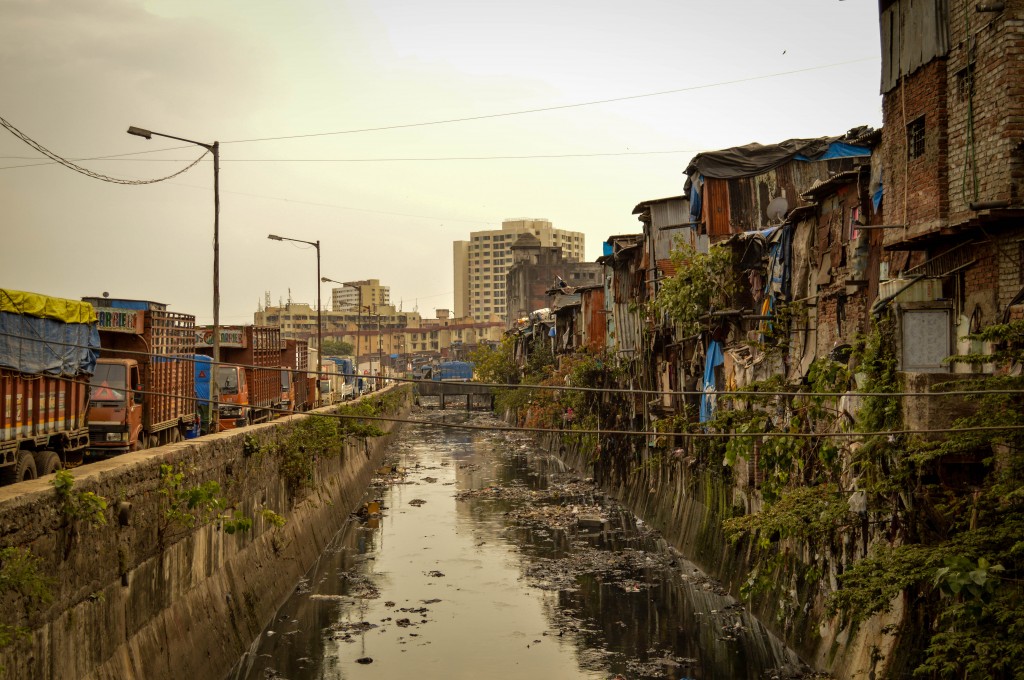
x=995 y=113
x=923 y=93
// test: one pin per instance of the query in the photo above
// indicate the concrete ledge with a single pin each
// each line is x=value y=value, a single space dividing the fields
x=149 y=601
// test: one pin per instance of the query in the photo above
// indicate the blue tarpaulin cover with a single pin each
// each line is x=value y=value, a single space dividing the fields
x=202 y=377
x=714 y=359
x=46 y=346
x=837 y=150
x=454 y=370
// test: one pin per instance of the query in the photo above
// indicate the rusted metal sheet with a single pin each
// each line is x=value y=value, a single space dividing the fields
x=716 y=207
x=593 y=318
x=913 y=33
x=749 y=197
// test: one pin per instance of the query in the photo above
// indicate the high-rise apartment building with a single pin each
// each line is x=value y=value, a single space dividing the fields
x=481 y=264
x=370 y=291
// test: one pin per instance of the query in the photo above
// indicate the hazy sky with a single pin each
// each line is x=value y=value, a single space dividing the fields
x=74 y=74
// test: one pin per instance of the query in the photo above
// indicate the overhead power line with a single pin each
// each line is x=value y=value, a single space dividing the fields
x=559 y=107
x=629 y=391
x=410 y=159
x=86 y=171
x=487 y=116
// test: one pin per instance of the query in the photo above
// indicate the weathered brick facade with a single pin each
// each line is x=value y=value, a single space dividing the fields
x=916 y=189
x=986 y=101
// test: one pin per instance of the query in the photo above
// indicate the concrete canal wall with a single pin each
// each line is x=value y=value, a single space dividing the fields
x=687 y=504
x=147 y=597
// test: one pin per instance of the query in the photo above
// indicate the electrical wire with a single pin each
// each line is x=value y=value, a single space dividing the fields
x=555 y=388
x=390 y=160
x=494 y=115
x=560 y=107
x=581 y=431
x=85 y=171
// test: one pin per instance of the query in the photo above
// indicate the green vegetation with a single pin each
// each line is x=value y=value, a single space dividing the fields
x=701 y=286
x=960 y=550
x=324 y=436
x=237 y=521
x=21 y=573
x=297 y=453
x=184 y=506
x=273 y=519
x=76 y=505
x=338 y=348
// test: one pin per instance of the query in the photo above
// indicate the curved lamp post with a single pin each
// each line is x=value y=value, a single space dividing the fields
x=213 y=148
x=319 y=324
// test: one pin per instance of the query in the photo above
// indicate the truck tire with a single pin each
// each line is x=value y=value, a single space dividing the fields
x=47 y=462
x=21 y=471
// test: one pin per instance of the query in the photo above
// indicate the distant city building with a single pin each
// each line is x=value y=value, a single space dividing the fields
x=536 y=268
x=482 y=263
x=369 y=291
x=383 y=330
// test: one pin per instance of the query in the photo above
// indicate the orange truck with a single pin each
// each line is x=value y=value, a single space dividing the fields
x=143 y=388
x=249 y=375
x=48 y=350
x=294 y=382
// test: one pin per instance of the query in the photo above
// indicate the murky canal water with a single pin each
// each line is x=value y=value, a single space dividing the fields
x=491 y=560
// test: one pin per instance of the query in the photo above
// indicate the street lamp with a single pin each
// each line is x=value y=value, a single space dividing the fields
x=319 y=325
x=213 y=148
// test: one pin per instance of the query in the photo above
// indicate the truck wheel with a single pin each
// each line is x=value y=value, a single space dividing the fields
x=47 y=462
x=175 y=436
x=21 y=471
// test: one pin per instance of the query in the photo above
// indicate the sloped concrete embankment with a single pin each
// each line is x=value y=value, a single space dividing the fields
x=141 y=599
x=687 y=504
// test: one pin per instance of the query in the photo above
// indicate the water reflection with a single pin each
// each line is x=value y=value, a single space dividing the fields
x=447 y=588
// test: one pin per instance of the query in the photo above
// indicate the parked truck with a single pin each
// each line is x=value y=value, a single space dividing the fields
x=143 y=388
x=48 y=350
x=453 y=371
x=295 y=394
x=249 y=376
x=337 y=381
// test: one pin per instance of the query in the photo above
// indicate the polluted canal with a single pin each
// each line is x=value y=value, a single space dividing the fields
x=489 y=559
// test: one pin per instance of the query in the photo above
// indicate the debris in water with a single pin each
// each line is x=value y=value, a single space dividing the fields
x=417 y=502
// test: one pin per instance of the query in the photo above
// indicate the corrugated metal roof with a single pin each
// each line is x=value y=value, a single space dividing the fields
x=640 y=207
x=824 y=187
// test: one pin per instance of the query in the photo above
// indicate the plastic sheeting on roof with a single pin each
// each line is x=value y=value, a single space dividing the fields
x=30 y=344
x=46 y=307
x=755 y=159
x=837 y=150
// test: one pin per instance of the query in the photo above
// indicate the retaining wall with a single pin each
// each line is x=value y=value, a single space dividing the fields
x=143 y=598
x=688 y=504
